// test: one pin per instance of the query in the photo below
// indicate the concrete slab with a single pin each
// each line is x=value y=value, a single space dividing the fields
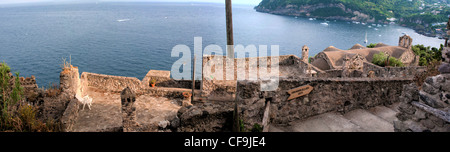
x=274 y=128
x=394 y=106
x=368 y=121
x=384 y=113
x=328 y=122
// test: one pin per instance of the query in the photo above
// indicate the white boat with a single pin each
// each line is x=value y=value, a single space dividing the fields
x=365 y=40
x=376 y=29
x=363 y=23
x=369 y=26
x=357 y=22
x=123 y=20
x=310 y=19
x=378 y=25
x=324 y=23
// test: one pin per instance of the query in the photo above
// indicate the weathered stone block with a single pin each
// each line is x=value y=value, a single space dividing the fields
x=429 y=100
x=428 y=124
x=430 y=89
x=419 y=115
x=444 y=68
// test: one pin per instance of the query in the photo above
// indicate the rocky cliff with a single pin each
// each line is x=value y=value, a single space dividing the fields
x=320 y=10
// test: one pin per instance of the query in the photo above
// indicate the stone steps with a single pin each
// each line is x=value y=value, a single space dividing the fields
x=377 y=119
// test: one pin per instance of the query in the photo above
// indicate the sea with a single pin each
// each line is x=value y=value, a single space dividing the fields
x=131 y=38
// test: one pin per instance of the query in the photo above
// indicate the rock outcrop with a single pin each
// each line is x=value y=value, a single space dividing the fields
x=425 y=110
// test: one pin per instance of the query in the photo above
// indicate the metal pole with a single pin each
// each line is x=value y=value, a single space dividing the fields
x=193 y=80
x=230 y=41
x=230 y=56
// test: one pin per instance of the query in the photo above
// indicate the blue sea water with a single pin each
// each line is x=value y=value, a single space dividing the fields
x=128 y=39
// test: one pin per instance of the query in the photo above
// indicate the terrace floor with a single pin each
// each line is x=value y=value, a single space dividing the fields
x=105 y=114
x=377 y=119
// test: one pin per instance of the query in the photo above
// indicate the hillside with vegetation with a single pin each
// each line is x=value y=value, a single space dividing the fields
x=425 y=16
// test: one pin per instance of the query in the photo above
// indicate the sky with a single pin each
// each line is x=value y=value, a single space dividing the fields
x=249 y=2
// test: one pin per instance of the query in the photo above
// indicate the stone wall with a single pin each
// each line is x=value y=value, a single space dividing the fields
x=70 y=81
x=329 y=94
x=389 y=72
x=216 y=85
x=171 y=93
x=204 y=117
x=70 y=115
x=110 y=83
x=427 y=109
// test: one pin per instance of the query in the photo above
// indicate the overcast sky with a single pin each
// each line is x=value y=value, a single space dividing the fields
x=251 y=2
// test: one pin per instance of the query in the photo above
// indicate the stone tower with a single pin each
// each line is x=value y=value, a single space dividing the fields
x=305 y=54
x=445 y=66
x=405 y=41
x=128 y=110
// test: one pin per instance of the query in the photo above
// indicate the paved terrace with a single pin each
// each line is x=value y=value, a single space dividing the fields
x=377 y=119
x=105 y=113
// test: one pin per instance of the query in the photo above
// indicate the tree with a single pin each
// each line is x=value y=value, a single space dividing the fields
x=371 y=45
x=428 y=54
x=381 y=59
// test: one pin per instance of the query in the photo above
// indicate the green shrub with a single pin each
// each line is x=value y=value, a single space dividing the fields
x=15 y=114
x=371 y=45
x=257 y=128
x=241 y=125
x=381 y=60
x=428 y=54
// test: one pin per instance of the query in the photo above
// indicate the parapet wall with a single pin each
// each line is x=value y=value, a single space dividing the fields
x=110 y=83
x=388 y=72
x=215 y=83
x=329 y=94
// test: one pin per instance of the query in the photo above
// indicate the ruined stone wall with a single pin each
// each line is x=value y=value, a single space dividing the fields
x=389 y=72
x=55 y=106
x=110 y=83
x=329 y=94
x=289 y=66
x=427 y=109
x=70 y=81
x=70 y=115
x=172 y=93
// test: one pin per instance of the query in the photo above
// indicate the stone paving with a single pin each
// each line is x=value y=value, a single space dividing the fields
x=377 y=119
x=105 y=114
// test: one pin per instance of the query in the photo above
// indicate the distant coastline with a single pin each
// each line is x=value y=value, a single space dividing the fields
x=294 y=13
x=425 y=18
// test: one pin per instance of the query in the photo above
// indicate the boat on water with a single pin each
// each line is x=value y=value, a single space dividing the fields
x=122 y=20
x=363 y=23
x=369 y=26
x=365 y=40
x=324 y=23
x=376 y=29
